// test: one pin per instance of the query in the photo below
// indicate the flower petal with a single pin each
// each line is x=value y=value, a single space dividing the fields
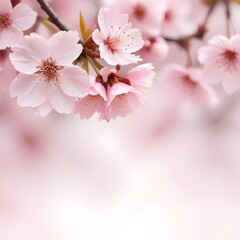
x=9 y=36
x=59 y=101
x=5 y=6
x=117 y=89
x=64 y=47
x=232 y=83
x=44 y=109
x=87 y=106
x=74 y=82
x=23 y=16
x=29 y=53
x=29 y=91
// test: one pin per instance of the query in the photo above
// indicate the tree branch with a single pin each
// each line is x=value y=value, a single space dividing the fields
x=52 y=16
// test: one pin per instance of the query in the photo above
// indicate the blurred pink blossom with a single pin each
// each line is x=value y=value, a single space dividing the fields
x=13 y=21
x=221 y=58
x=177 y=22
x=185 y=84
x=145 y=15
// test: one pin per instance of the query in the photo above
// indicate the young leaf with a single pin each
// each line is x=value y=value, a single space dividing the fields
x=83 y=27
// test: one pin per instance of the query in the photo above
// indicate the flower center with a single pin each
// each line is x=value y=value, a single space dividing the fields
x=168 y=15
x=112 y=79
x=139 y=11
x=112 y=43
x=228 y=60
x=5 y=20
x=48 y=71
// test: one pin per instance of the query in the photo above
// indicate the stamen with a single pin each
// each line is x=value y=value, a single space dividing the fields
x=112 y=43
x=228 y=60
x=5 y=20
x=48 y=71
x=139 y=11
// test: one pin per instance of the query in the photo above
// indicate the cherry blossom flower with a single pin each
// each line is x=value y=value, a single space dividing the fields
x=176 y=21
x=221 y=60
x=185 y=84
x=95 y=101
x=48 y=79
x=114 y=95
x=145 y=15
x=117 y=40
x=129 y=92
x=157 y=47
x=13 y=21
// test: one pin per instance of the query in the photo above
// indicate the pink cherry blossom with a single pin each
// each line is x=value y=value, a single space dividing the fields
x=48 y=79
x=95 y=101
x=145 y=15
x=221 y=60
x=114 y=95
x=157 y=47
x=185 y=84
x=177 y=21
x=13 y=21
x=117 y=40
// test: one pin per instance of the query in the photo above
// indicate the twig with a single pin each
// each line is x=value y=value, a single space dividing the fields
x=52 y=16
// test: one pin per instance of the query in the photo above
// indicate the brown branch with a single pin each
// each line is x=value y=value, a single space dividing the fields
x=52 y=16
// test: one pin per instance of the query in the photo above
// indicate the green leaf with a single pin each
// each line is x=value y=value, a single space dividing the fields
x=83 y=27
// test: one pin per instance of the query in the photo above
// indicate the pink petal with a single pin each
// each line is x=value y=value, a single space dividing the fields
x=23 y=16
x=44 y=109
x=22 y=83
x=64 y=47
x=87 y=106
x=221 y=42
x=205 y=95
x=235 y=41
x=97 y=37
x=212 y=74
x=9 y=36
x=107 y=55
x=124 y=58
x=29 y=53
x=101 y=90
x=117 y=89
x=208 y=54
x=75 y=82
x=29 y=91
x=59 y=101
x=5 y=6
x=232 y=83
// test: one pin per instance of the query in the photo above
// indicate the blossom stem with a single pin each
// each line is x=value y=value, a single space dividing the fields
x=52 y=16
x=93 y=65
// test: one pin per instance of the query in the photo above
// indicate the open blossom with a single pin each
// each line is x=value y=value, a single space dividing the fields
x=117 y=39
x=95 y=101
x=48 y=79
x=176 y=21
x=114 y=95
x=145 y=15
x=185 y=84
x=13 y=21
x=221 y=60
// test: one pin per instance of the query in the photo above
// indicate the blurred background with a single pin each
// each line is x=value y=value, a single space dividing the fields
x=169 y=171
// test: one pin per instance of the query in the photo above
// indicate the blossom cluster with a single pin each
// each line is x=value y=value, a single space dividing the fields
x=97 y=70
